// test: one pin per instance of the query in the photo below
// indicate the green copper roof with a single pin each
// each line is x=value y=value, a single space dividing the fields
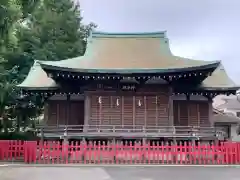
x=127 y=53
x=37 y=79
x=188 y=67
x=219 y=80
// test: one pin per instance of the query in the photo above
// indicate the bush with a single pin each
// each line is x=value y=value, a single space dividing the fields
x=26 y=136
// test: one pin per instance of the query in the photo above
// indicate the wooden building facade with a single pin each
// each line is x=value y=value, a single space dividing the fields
x=128 y=110
x=129 y=85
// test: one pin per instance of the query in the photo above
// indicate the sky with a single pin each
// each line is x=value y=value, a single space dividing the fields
x=200 y=29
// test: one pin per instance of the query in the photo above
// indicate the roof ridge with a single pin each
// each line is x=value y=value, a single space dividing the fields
x=153 y=34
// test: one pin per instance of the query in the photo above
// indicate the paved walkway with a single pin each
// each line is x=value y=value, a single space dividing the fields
x=119 y=173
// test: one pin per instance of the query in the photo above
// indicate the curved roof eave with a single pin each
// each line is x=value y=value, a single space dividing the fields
x=220 y=89
x=211 y=66
x=220 y=81
x=37 y=79
x=27 y=88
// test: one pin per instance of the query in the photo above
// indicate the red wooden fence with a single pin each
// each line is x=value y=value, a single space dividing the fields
x=107 y=153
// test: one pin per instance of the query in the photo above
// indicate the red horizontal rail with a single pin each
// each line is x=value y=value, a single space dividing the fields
x=96 y=153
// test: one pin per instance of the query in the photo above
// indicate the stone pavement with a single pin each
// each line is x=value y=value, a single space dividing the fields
x=119 y=173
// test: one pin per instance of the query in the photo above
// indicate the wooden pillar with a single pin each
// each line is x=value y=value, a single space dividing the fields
x=145 y=111
x=134 y=112
x=171 y=118
x=210 y=112
x=58 y=114
x=156 y=111
x=188 y=108
x=45 y=117
x=46 y=111
x=68 y=110
x=87 y=109
x=198 y=115
x=122 y=111
x=42 y=135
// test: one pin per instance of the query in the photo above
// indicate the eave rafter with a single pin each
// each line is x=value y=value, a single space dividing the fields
x=173 y=74
x=141 y=78
x=47 y=94
x=207 y=93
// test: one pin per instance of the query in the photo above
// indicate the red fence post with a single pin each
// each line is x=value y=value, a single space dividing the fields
x=107 y=153
x=238 y=153
x=221 y=147
x=2 y=149
x=30 y=149
x=226 y=153
x=5 y=150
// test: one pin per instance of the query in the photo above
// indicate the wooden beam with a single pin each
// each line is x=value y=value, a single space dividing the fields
x=68 y=109
x=188 y=108
x=87 y=109
x=134 y=111
x=145 y=111
x=170 y=107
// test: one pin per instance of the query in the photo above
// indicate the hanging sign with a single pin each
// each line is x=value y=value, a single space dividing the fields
x=128 y=87
x=106 y=87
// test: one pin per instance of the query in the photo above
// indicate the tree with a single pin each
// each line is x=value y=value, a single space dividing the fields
x=55 y=31
x=12 y=12
x=35 y=29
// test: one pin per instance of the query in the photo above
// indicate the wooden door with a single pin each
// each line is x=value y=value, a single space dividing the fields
x=76 y=113
x=180 y=110
x=191 y=113
x=51 y=113
x=204 y=114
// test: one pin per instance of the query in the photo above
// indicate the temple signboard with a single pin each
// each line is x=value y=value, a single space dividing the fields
x=128 y=87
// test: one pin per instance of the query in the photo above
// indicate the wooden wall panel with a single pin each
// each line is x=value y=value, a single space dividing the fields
x=183 y=116
x=191 y=113
x=151 y=111
x=162 y=108
x=62 y=112
x=176 y=114
x=204 y=114
x=116 y=110
x=180 y=113
x=57 y=112
x=106 y=110
x=139 y=111
x=95 y=106
x=76 y=113
x=52 y=113
x=129 y=110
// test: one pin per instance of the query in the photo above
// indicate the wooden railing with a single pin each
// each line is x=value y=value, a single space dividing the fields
x=130 y=131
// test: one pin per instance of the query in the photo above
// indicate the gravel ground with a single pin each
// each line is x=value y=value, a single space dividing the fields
x=119 y=173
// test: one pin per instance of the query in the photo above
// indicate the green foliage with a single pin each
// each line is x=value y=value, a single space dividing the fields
x=29 y=30
x=26 y=136
x=10 y=17
x=10 y=13
x=55 y=31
